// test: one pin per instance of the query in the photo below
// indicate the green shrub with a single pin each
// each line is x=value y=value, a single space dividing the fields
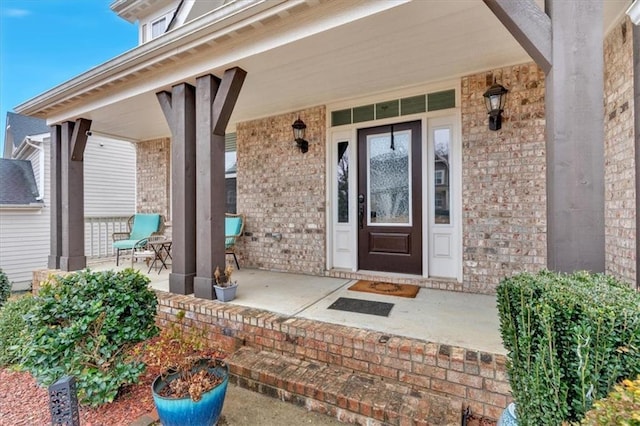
x=84 y=325
x=13 y=336
x=5 y=287
x=621 y=407
x=569 y=339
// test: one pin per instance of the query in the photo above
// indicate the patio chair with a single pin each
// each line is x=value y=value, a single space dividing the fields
x=233 y=227
x=141 y=227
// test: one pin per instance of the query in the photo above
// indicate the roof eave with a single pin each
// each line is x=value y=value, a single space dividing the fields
x=146 y=54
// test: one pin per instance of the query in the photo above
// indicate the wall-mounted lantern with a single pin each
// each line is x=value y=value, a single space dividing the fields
x=298 y=135
x=494 y=99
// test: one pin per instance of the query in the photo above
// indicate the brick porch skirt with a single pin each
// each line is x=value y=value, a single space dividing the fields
x=410 y=369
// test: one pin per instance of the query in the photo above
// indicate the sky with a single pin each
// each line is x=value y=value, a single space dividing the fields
x=44 y=43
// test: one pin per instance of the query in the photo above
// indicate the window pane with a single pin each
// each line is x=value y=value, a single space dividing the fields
x=343 y=182
x=389 y=155
x=158 y=27
x=441 y=182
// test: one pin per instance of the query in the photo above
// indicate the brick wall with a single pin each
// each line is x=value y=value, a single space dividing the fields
x=477 y=379
x=503 y=181
x=153 y=159
x=619 y=175
x=282 y=191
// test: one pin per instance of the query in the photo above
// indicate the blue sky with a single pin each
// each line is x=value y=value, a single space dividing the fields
x=44 y=43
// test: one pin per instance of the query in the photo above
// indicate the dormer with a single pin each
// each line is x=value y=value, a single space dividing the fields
x=156 y=17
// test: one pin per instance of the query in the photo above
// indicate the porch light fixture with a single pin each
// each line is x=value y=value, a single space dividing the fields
x=494 y=99
x=298 y=134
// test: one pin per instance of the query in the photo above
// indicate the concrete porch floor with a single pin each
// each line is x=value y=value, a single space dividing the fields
x=458 y=319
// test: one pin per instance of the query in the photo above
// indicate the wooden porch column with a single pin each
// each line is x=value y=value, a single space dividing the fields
x=567 y=43
x=214 y=103
x=55 y=197
x=73 y=141
x=179 y=111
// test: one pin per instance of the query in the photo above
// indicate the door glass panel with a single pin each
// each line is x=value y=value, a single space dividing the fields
x=343 y=182
x=389 y=195
x=441 y=181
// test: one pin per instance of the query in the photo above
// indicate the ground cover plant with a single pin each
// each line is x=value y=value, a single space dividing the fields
x=13 y=335
x=570 y=339
x=85 y=324
x=620 y=407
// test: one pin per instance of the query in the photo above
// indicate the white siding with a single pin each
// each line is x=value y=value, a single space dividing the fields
x=24 y=234
x=109 y=178
x=24 y=244
x=109 y=185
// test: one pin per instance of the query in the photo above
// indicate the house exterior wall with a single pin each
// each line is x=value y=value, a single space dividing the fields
x=153 y=169
x=503 y=179
x=620 y=214
x=115 y=195
x=24 y=242
x=281 y=190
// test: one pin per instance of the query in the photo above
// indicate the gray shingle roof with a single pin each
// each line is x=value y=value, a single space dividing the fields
x=20 y=126
x=17 y=182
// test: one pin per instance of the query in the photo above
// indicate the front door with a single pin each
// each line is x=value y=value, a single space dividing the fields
x=390 y=198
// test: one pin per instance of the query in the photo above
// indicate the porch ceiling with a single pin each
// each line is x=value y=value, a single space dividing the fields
x=406 y=45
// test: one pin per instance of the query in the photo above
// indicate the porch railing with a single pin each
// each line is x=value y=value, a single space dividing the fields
x=97 y=234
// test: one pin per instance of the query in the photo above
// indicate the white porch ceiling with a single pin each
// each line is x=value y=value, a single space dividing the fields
x=411 y=44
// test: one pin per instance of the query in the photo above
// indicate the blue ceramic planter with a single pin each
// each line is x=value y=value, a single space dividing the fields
x=508 y=417
x=183 y=411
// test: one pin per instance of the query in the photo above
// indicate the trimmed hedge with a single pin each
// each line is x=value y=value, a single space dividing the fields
x=570 y=339
x=84 y=324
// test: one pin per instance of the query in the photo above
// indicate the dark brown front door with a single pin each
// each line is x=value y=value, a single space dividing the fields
x=390 y=198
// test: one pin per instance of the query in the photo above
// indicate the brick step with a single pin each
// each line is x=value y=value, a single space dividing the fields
x=351 y=397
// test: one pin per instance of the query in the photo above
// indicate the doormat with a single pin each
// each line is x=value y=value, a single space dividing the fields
x=360 y=306
x=389 y=289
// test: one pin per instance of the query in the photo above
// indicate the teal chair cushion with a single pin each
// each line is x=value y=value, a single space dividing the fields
x=232 y=227
x=144 y=225
x=128 y=244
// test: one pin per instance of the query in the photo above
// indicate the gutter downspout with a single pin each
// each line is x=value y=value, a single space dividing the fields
x=634 y=14
x=28 y=142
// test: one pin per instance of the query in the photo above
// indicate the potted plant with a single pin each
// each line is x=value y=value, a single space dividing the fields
x=224 y=287
x=192 y=383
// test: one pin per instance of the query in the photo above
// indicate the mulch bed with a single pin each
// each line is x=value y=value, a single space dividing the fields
x=23 y=402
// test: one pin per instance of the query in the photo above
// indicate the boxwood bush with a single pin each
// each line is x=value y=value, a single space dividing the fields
x=570 y=339
x=84 y=324
x=5 y=287
x=13 y=335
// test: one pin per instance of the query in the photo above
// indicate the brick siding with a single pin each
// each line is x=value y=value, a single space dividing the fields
x=282 y=191
x=620 y=214
x=503 y=179
x=153 y=168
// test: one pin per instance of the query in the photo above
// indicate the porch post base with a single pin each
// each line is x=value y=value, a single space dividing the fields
x=54 y=262
x=181 y=283
x=203 y=288
x=73 y=263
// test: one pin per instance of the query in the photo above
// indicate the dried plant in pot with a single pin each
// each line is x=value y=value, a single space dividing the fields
x=224 y=287
x=193 y=379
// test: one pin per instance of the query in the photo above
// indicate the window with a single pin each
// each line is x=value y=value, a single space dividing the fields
x=439 y=177
x=343 y=182
x=158 y=27
x=230 y=172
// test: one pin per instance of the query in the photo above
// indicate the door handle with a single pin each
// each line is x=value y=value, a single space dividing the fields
x=361 y=216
